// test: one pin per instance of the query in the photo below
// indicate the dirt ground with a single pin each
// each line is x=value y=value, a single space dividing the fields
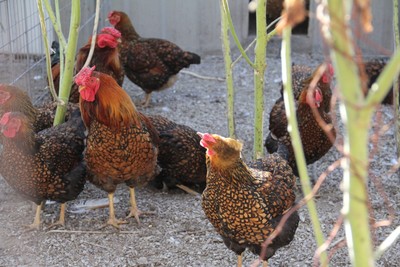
x=179 y=234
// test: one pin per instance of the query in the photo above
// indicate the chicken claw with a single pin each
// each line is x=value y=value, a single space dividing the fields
x=135 y=212
x=36 y=222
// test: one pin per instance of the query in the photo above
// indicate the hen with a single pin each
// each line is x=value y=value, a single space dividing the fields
x=43 y=166
x=121 y=143
x=243 y=204
x=373 y=69
x=316 y=143
x=55 y=64
x=180 y=156
x=13 y=98
x=150 y=63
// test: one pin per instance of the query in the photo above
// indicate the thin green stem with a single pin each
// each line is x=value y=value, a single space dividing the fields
x=56 y=26
x=62 y=47
x=396 y=81
x=228 y=69
x=296 y=140
x=260 y=64
x=46 y=49
x=66 y=82
x=225 y=6
x=93 y=43
x=356 y=118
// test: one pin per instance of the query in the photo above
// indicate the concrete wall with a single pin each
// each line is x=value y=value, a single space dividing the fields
x=377 y=43
x=193 y=25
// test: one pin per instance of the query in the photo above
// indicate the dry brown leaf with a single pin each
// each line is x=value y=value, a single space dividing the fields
x=364 y=8
x=293 y=13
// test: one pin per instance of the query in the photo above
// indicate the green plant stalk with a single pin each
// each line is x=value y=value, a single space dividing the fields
x=57 y=27
x=66 y=82
x=388 y=242
x=357 y=123
x=296 y=140
x=94 y=33
x=396 y=82
x=228 y=68
x=260 y=64
x=46 y=49
x=225 y=7
x=62 y=47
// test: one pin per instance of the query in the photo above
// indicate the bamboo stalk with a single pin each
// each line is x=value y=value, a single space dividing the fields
x=260 y=66
x=66 y=82
x=228 y=66
x=296 y=140
x=357 y=122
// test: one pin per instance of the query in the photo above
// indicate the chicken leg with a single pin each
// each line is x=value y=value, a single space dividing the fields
x=112 y=220
x=135 y=212
x=240 y=260
x=61 y=220
x=146 y=100
x=36 y=222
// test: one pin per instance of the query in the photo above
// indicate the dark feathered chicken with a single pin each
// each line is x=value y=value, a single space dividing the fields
x=14 y=99
x=373 y=69
x=243 y=204
x=43 y=166
x=180 y=156
x=121 y=143
x=316 y=142
x=150 y=63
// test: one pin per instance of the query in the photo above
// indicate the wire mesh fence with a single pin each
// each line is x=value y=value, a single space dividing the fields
x=22 y=60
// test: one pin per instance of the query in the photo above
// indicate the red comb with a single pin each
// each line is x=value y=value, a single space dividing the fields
x=110 y=14
x=6 y=117
x=209 y=138
x=318 y=96
x=110 y=30
x=105 y=39
x=84 y=75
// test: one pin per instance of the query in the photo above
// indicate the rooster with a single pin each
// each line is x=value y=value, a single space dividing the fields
x=316 y=143
x=150 y=63
x=180 y=157
x=244 y=204
x=43 y=166
x=121 y=143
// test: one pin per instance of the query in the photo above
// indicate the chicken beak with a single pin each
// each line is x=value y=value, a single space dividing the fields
x=81 y=88
x=119 y=40
x=200 y=134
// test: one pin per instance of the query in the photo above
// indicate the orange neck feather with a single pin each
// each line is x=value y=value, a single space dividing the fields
x=112 y=107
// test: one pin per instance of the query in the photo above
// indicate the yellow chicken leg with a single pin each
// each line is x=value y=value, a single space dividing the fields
x=240 y=260
x=36 y=222
x=265 y=263
x=112 y=220
x=135 y=212
x=61 y=220
x=146 y=100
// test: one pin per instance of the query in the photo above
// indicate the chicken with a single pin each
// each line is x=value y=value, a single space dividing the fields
x=244 y=204
x=316 y=143
x=105 y=56
x=373 y=69
x=150 y=63
x=180 y=156
x=121 y=143
x=13 y=98
x=43 y=166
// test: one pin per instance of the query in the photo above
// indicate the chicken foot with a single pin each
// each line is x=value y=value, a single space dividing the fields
x=135 y=212
x=146 y=101
x=112 y=219
x=36 y=222
x=61 y=220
